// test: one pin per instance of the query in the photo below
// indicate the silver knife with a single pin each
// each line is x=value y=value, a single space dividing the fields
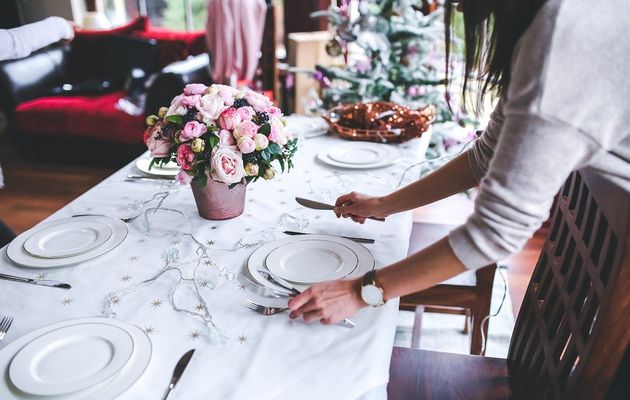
x=355 y=239
x=178 y=371
x=40 y=282
x=316 y=205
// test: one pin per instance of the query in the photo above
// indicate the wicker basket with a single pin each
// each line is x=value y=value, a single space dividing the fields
x=380 y=122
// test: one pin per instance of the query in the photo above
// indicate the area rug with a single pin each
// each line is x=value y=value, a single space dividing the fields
x=444 y=332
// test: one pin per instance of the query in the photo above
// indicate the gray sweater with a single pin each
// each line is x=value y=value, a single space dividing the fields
x=567 y=107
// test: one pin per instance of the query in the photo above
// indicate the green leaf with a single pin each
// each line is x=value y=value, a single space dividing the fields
x=176 y=119
x=265 y=129
x=213 y=141
x=281 y=160
x=274 y=149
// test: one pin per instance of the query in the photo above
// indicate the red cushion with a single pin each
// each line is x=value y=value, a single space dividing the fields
x=175 y=45
x=136 y=24
x=80 y=116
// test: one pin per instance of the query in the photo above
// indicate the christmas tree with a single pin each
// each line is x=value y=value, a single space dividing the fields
x=393 y=51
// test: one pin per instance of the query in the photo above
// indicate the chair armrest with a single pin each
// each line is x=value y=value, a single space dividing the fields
x=170 y=82
x=33 y=76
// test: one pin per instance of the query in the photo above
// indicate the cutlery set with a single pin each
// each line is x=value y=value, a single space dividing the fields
x=40 y=282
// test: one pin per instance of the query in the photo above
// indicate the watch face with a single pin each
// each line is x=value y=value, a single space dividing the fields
x=372 y=295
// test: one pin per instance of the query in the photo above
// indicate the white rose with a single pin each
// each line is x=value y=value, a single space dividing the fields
x=210 y=107
x=227 y=165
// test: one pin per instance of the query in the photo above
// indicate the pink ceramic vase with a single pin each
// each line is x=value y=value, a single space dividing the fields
x=217 y=201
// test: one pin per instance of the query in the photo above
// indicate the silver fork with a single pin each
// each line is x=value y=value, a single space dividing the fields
x=5 y=324
x=264 y=310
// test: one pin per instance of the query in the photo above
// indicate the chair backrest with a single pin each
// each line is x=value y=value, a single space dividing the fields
x=574 y=325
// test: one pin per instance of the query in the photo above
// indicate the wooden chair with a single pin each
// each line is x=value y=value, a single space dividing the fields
x=573 y=328
x=468 y=294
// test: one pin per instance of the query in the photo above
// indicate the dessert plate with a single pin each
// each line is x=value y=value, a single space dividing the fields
x=16 y=252
x=306 y=126
x=169 y=169
x=107 y=390
x=360 y=155
x=256 y=260
x=312 y=261
x=68 y=238
x=70 y=359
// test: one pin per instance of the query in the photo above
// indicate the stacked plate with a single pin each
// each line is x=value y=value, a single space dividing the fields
x=308 y=259
x=67 y=241
x=170 y=169
x=360 y=155
x=89 y=358
x=306 y=126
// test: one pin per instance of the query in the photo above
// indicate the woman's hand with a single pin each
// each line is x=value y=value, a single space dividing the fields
x=329 y=302
x=359 y=206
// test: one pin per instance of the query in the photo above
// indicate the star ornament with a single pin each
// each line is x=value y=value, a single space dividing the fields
x=42 y=275
x=115 y=300
x=125 y=278
x=242 y=339
x=210 y=243
x=156 y=303
x=66 y=301
x=199 y=307
x=149 y=330
x=194 y=335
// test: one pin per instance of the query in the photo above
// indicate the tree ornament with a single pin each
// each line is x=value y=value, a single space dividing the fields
x=333 y=47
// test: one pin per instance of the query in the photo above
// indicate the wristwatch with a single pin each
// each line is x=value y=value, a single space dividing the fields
x=371 y=292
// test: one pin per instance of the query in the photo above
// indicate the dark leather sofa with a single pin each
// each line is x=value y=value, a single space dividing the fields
x=82 y=124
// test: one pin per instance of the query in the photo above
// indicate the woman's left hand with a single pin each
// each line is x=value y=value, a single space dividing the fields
x=329 y=302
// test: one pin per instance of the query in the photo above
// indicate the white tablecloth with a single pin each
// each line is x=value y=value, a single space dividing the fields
x=264 y=357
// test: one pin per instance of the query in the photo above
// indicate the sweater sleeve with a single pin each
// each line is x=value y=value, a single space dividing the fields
x=480 y=154
x=22 y=41
x=530 y=163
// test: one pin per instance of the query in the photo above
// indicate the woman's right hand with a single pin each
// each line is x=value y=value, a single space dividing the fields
x=359 y=206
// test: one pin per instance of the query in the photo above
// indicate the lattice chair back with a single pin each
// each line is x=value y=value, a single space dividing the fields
x=574 y=325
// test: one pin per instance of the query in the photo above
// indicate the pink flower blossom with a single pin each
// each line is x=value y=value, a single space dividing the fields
x=259 y=101
x=274 y=111
x=176 y=107
x=227 y=165
x=195 y=88
x=210 y=107
x=192 y=130
x=227 y=93
x=278 y=133
x=245 y=128
x=229 y=119
x=183 y=178
x=246 y=144
x=191 y=101
x=226 y=138
x=185 y=157
x=261 y=141
x=246 y=113
x=158 y=146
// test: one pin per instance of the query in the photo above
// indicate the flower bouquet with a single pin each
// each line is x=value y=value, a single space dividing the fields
x=222 y=138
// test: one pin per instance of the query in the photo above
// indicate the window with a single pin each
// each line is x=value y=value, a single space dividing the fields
x=177 y=15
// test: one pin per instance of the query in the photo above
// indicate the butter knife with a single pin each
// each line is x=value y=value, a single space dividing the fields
x=40 y=282
x=354 y=239
x=316 y=205
x=178 y=371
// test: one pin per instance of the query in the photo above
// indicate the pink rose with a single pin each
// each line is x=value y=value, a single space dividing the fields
x=259 y=101
x=246 y=145
x=185 y=157
x=183 y=178
x=246 y=113
x=195 y=88
x=226 y=138
x=210 y=107
x=227 y=93
x=227 y=165
x=277 y=134
x=245 y=128
x=158 y=146
x=176 y=107
x=192 y=130
x=229 y=119
x=191 y=101
x=261 y=141
x=274 y=111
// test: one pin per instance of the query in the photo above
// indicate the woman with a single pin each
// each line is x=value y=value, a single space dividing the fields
x=559 y=67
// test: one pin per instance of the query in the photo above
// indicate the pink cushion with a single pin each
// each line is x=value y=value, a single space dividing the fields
x=80 y=116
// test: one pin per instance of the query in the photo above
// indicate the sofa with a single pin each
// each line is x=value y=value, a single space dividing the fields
x=61 y=101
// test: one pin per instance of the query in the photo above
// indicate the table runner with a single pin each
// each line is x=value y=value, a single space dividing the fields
x=263 y=357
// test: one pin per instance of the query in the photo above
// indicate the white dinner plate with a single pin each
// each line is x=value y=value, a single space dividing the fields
x=360 y=155
x=306 y=126
x=70 y=359
x=169 y=169
x=17 y=254
x=68 y=238
x=107 y=390
x=256 y=260
x=311 y=261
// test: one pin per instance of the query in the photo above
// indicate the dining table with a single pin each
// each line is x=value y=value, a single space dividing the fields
x=146 y=281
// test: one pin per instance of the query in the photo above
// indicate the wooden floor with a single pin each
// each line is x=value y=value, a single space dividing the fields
x=33 y=191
